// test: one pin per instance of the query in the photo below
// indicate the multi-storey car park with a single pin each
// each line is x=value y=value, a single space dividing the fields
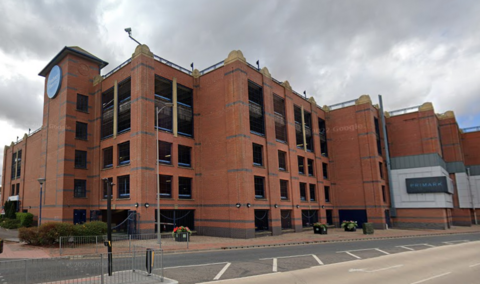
x=240 y=153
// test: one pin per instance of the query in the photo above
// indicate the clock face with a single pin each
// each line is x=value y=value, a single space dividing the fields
x=54 y=81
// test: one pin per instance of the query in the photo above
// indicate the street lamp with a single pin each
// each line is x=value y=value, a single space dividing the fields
x=157 y=111
x=41 y=181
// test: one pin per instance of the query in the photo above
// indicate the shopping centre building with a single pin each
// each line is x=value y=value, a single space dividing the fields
x=239 y=153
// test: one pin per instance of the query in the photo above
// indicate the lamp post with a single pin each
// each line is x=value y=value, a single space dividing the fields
x=109 y=225
x=159 y=236
x=41 y=181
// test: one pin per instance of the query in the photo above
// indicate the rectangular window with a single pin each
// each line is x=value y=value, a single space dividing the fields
x=329 y=214
x=313 y=196
x=280 y=125
x=309 y=217
x=124 y=153
x=165 y=186
x=14 y=165
x=18 y=189
x=108 y=157
x=259 y=187
x=82 y=103
x=80 y=159
x=255 y=101
x=257 y=154
x=301 y=165
x=184 y=188
x=164 y=152
x=163 y=94
x=311 y=171
x=12 y=193
x=327 y=193
x=80 y=188
x=107 y=113
x=377 y=134
x=105 y=188
x=282 y=161
x=123 y=186
x=298 y=126
x=308 y=130
x=380 y=169
x=81 y=130
x=184 y=156
x=124 y=106
x=283 y=189
x=325 y=170
x=19 y=163
x=303 y=191
x=322 y=131
x=384 y=194
x=185 y=110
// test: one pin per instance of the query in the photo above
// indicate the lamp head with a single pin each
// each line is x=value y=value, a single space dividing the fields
x=128 y=30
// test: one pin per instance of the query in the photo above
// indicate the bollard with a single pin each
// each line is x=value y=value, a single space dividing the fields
x=1 y=246
x=149 y=261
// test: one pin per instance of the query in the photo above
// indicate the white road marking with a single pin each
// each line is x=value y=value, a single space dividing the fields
x=382 y=251
x=473 y=265
x=404 y=247
x=274 y=268
x=376 y=270
x=433 y=277
x=195 y=265
x=356 y=256
x=456 y=242
x=359 y=249
x=317 y=259
x=246 y=277
x=222 y=271
x=290 y=256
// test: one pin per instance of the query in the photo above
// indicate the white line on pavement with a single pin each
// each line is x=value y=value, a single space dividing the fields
x=433 y=277
x=412 y=245
x=317 y=259
x=376 y=270
x=222 y=271
x=456 y=242
x=274 y=268
x=172 y=267
x=473 y=265
x=356 y=256
x=382 y=251
x=404 y=247
x=358 y=250
x=290 y=256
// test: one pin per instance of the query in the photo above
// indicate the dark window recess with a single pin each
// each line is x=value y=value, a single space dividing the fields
x=286 y=216
x=124 y=153
x=329 y=214
x=301 y=165
x=309 y=217
x=184 y=156
x=325 y=170
x=313 y=196
x=14 y=165
x=164 y=152
x=184 y=188
x=257 y=154
x=108 y=157
x=255 y=101
x=165 y=186
x=310 y=167
x=107 y=113
x=105 y=188
x=82 y=103
x=123 y=186
x=185 y=110
x=259 y=187
x=308 y=130
x=174 y=218
x=303 y=191
x=327 y=193
x=282 y=161
x=380 y=169
x=322 y=130
x=80 y=188
x=80 y=159
x=81 y=130
x=163 y=94
x=12 y=193
x=280 y=125
x=19 y=163
x=17 y=191
x=377 y=134
x=284 y=189
x=124 y=106
x=298 y=126
x=384 y=194
x=261 y=220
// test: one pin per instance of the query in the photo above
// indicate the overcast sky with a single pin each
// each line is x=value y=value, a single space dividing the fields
x=409 y=51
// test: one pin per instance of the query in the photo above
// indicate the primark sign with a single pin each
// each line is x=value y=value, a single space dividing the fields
x=427 y=185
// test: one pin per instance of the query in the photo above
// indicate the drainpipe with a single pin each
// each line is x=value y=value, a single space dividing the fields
x=393 y=209
x=472 y=196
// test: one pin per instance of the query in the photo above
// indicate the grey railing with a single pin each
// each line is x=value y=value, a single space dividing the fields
x=342 y=105
x=171 y=64
x=404 y=110
x=471 y=129
x=117 y=68
x=211 y=68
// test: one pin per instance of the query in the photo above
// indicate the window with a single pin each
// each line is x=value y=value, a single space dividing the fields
x=313 y=196
x=184 y=156
x=310 y=167
x=124 y=106
x=279 y=111
x=107 y=113
x=377 y=134
x=327 y=193
x=298 y=126
x=259 y=187
x=12 y=193
x=322 y=129
x=329 y=214
x=307 y=117
x=283 y=189
x=123 y=186
x=164 y=152
x=255 y=101
x=282 y=161
x=257 y=154
x=184 y=188
x=13 y=170
x=380 y=168
x=19 y=163
x=105 y=188
x=80 y=188
x=303 y=191
x=80 y=159
x=309 y=217
x=185 y=110
x=163 y=94
x=384 y=194
x=124 y=153
x=301 y=165
x=325 y=170
x=81 y=130
x=108 y=157
x=17 y=192
x=165 y=186
x=82 y=103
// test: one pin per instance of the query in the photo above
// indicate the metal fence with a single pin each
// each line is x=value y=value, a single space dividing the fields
x=85 y=269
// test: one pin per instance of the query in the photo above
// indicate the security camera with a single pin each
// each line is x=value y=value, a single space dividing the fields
x=128 y=30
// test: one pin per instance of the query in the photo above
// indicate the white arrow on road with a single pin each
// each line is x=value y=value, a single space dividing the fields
x=376 y=270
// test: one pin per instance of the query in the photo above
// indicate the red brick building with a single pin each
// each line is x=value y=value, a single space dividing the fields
x=239 y=153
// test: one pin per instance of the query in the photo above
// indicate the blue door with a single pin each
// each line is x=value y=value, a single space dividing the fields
x=79 y=216
x=353 y=215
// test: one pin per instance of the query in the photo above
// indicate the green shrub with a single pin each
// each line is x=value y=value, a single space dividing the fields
x=64 y=229
x=26 y=219
x=9 y=209
x=47 y=233
x=95 y=228
x=29 y=236
x=10 y=223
